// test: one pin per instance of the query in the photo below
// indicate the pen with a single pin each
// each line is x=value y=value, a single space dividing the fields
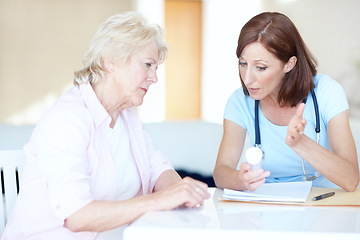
x=322 y=196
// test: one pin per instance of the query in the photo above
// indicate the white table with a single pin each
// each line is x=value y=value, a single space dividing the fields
x=235 y=220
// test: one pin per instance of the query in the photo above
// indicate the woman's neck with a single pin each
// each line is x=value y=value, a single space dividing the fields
x=103 y=91
x=275 y=112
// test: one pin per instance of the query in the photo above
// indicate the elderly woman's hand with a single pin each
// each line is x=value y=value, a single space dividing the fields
x=296 y=127
x=187 y=193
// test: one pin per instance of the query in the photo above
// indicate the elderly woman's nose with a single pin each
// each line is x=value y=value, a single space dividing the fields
x=152 y=78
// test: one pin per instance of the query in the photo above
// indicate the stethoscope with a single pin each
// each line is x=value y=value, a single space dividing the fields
x=317 y=130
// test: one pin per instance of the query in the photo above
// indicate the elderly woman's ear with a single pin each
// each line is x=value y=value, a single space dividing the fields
x=109 y=65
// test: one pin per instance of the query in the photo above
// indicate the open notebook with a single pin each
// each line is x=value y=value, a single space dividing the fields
x=291 y=192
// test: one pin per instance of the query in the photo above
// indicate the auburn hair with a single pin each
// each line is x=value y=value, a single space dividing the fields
x=278 y=34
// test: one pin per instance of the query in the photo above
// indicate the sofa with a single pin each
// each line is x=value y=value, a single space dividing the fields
x=191 y=146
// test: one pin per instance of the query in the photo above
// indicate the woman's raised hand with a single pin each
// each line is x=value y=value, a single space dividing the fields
x=296 y=127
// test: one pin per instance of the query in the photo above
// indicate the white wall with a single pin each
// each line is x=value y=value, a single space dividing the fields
x=42 y=43
x=329 y=27
x=222 y=21
x=153 y=107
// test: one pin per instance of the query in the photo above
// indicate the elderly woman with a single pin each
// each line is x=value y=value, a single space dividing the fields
x=300 y=118
x=90 y=165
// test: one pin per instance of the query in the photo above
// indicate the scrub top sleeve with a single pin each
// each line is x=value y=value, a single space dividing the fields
x=331 y=98
x=234 y=108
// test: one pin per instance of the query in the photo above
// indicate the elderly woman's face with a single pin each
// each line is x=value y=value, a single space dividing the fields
x=132 y=80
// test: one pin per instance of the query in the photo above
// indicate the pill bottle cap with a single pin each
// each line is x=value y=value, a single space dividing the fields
x=253 y=155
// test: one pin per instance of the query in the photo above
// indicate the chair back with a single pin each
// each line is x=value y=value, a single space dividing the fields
x=14 y=137
x=11 y=166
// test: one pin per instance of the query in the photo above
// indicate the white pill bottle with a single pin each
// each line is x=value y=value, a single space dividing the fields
x=254 y=156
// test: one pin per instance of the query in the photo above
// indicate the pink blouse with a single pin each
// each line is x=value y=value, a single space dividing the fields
x=69 y=164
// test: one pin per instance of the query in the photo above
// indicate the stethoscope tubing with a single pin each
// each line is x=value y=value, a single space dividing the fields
x=317 y=131
x=257 y=125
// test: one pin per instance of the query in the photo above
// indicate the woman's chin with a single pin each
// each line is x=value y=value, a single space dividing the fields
x=255 y=97
x=138 y=103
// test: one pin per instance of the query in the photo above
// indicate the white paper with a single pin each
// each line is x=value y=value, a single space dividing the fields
x=273 y=192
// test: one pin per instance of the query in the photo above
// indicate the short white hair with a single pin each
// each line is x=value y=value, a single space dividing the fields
x=118 y=38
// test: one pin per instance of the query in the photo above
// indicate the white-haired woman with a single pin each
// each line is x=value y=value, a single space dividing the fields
x=90 y=166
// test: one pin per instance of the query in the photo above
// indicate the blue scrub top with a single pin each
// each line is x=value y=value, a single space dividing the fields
x=282 y=162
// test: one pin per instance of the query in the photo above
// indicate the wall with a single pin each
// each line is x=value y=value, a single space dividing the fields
x=329 y=28
x=183 y=65
x=222 y=21
x=42 y=43
x=153 y=107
